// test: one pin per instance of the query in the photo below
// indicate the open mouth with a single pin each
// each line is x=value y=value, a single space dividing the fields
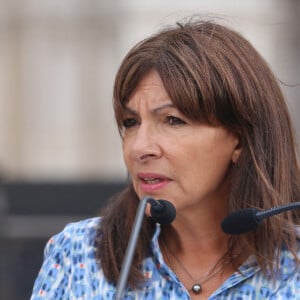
x=152 y=180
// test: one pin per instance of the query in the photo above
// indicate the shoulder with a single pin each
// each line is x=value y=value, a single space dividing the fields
x=281 y=283
x=76 y=235
x=289 y=272
x=83 y=227
x=288 y=259
x=69 y=260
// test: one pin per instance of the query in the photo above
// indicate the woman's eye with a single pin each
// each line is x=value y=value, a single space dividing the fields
x=171 y=120
x=130 y=122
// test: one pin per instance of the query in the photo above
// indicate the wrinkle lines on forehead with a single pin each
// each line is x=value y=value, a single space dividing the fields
x=150 y=93
x=153 y=110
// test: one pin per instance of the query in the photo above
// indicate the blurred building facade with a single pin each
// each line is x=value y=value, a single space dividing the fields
x=57 y=65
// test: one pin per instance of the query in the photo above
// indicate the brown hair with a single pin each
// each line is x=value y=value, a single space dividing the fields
x=212 y=73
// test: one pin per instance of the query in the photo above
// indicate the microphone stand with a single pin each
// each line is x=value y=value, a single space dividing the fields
x=276 y=210
x=131 y=248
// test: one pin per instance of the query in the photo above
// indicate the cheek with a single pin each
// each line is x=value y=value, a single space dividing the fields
x=126 y=155
x=208 y=163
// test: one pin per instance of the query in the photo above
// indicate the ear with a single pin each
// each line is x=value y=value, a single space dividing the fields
x=236 y=151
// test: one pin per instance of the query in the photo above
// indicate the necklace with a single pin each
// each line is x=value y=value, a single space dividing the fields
x=197 y=286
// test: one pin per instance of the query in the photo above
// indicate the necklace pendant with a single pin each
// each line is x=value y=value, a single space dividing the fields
x=196 y=288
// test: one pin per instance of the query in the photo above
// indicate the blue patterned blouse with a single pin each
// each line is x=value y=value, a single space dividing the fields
x=70 y=271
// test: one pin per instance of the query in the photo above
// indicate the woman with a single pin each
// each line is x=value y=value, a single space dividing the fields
x=204 y=125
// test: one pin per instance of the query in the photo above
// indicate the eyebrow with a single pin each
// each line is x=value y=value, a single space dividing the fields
x=154 y=110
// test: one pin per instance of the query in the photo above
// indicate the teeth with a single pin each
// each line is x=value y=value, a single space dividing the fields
x=151 y=180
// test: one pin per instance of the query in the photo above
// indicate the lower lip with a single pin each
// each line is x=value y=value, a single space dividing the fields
x=146 y=187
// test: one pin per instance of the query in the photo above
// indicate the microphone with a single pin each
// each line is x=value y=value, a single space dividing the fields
x=248 y=219
x=163 y=212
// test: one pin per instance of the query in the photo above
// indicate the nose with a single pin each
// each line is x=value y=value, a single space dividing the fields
x=145 y=144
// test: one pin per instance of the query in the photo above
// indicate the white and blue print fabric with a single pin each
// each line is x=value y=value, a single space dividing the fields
x=70 y=271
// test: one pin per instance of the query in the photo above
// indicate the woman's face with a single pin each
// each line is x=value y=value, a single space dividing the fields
x=171 y=157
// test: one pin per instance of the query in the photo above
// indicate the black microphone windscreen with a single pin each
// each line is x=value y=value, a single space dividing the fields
x=240 y=221
x=164 y=215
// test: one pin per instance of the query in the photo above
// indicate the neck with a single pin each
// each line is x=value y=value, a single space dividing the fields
x=197 y=230
x=187 y=241
x=195 y=248
x=197 y=258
